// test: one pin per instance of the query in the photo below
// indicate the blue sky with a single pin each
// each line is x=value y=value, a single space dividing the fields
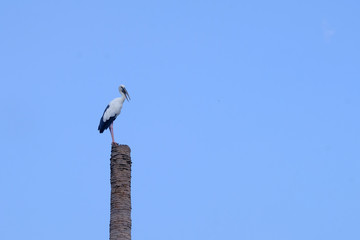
x=243 y=120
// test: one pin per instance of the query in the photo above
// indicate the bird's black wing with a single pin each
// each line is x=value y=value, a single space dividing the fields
x=104 y=125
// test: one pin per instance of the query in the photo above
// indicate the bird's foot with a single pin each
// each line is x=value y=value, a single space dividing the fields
x=114 y=143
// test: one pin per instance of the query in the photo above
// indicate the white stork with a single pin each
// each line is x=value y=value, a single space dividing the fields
x=112 y=111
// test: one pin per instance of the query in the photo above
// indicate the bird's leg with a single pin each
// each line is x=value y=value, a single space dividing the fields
x=112 y=133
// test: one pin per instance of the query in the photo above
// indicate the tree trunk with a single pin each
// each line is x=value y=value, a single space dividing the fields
x=120 y=208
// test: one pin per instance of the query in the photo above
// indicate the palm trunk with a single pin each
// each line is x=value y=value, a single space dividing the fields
x=120 y=208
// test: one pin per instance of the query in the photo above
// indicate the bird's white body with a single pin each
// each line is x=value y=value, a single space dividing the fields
x=114 y=108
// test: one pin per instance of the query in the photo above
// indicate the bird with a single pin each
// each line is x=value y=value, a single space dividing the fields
x=113 y=110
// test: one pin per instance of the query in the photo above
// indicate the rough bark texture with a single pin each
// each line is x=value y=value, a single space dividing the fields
x=120 y=208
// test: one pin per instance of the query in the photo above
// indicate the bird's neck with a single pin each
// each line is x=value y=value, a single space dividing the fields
x=122 y=98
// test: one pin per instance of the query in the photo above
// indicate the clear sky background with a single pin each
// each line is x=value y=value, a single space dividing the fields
x=243 y=120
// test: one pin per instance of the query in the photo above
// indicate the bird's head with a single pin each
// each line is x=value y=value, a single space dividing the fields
x=123 y=90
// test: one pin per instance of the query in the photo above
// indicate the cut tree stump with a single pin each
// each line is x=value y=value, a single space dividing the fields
x=120 y=179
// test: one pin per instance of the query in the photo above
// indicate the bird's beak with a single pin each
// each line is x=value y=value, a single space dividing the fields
x=127 y=95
